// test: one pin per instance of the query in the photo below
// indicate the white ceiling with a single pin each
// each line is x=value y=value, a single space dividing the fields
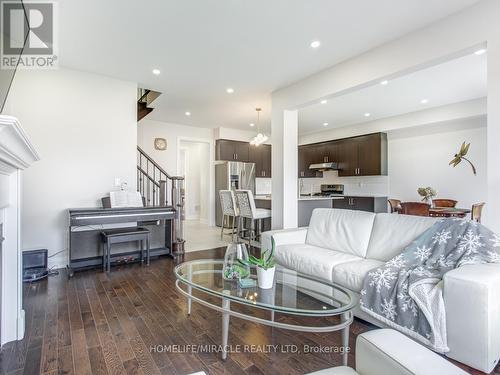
x=204 y=46
x=454 y=81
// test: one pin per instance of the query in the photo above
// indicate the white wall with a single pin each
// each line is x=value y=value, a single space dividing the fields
x=197 y=167
x=423 y=161
x=452 y=113
x=4 y=191
x=84 y=128
x=238 y=134
x=462 y=32
x=148 y=130
x=169 y=159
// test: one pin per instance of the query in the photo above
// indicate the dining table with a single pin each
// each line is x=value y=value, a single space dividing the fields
x=449 y=211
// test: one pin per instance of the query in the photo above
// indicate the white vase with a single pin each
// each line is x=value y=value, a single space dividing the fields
x=265 y=278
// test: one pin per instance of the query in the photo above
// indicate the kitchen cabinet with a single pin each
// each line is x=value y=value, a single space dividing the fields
x=245 y=152
x=231 y=150
x=326 y=152
x=357 y=156
x=347 y=157
x=261 y=156
x=363 y=156
x=369 y=204
x=308 y=155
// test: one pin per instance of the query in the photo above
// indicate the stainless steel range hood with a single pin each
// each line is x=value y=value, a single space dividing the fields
x=331 y=166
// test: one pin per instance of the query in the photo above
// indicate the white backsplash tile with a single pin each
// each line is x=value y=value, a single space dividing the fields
x=263 y=186
x=352 y=185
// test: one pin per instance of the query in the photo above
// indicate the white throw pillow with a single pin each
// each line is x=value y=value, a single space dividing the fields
x=392 y=233
x=347 y=231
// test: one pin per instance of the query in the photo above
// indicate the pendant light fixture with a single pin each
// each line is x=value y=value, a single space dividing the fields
x=260 y=138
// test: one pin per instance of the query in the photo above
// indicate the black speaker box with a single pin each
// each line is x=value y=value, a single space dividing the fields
x=35 y=265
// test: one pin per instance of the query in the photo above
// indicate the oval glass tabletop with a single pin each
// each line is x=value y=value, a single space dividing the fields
x=292 y=293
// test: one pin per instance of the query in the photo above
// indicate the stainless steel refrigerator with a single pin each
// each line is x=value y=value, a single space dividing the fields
x=232 y=175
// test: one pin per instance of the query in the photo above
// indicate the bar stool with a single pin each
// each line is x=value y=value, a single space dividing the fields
x=122 y=235
x=247 y=209
x=229 y=208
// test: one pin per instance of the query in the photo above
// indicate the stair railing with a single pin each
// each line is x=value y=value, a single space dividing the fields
x=153 y=182
x=161 y=189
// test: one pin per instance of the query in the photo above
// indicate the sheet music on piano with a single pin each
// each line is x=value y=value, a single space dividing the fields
x=123 y=199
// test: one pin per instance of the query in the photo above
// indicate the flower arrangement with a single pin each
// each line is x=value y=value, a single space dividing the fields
x=427 y=193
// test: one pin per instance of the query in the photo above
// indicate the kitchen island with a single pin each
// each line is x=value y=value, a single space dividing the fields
x=360 y=202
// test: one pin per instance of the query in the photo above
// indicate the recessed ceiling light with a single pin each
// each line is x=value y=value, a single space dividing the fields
x=384 y=82
x=315 y=44
x=325 y=124
x=252 y=124
x=156 y=72
x=424 y=101
x=324 y=101
x=481 y=51
x=229 y=90
x=188 y=113
x=368 y=114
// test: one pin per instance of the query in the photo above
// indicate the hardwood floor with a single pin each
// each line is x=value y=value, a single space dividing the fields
x=121 y=323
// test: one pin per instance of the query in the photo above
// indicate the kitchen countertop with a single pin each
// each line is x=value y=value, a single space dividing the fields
x=312 y=198
x=262 y=197
x=317 y=198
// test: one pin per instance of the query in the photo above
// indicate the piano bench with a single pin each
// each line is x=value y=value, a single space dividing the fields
x=122 y=235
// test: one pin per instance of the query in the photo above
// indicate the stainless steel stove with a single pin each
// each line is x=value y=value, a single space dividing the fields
x=330 y=190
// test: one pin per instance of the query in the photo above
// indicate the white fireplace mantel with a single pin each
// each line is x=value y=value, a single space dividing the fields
x=16 y=154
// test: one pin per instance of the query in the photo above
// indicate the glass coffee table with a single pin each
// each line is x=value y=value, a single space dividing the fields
x=293 y=294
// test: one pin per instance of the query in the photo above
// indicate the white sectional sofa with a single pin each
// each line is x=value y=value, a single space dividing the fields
x=341 y=246
x=388 y=352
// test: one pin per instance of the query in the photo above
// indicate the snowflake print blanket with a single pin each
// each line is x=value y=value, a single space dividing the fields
x=406 y=293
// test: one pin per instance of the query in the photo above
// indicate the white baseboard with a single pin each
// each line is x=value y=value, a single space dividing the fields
x=20 y=325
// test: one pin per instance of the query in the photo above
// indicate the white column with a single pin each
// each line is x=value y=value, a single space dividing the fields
x=492 y=215
x=284 y=166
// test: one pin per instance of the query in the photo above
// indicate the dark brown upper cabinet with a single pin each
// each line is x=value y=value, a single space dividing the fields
x=231 y=150
x=261 y=156
x=308 y=155
x=245 y=152
x=357 y=156
x=363 y=156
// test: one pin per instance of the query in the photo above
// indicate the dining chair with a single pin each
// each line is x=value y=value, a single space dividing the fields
x=395 y=205
x=248 y=210
x=229 y=209
x=444 y=202
x=415 y=208
x=477 y=210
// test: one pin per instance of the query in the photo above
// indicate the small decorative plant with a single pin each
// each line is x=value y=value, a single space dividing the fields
x=427 y=193
x=265 y=266
x=266 y=260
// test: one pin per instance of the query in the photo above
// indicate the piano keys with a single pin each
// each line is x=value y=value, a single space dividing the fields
x=86 y=224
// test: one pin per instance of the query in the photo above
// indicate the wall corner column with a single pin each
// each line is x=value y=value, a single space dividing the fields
x=284 y=130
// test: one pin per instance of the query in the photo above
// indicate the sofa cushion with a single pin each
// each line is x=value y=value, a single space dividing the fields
x=392 y=233
x=311 y=260
x=346 y=231
x=352 y=274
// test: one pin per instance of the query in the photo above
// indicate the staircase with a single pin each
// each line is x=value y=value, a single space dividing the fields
x=144 y=99
x=158 y=188
x=154 y=183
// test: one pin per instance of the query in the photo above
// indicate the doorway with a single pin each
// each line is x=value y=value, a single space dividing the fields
x=194 y=163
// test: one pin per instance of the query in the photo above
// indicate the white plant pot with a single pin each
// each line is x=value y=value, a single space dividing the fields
x=265 y=278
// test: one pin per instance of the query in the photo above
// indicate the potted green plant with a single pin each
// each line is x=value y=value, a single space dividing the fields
x=266 y=267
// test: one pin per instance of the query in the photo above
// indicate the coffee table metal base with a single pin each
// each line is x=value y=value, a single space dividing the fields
x=225 y=309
